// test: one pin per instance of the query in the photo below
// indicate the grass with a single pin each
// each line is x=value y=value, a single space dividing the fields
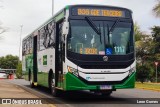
x=148 y=86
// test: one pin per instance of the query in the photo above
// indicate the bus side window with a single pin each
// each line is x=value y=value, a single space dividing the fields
x=30 y=44
x=27 y=46
x=52 y=34
x=47 y=36
x=24 y=48
x=38 y=41
x=41 y=39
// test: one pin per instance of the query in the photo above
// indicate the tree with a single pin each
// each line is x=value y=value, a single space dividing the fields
x=9 y=62
x=145 y=48
x=137 y=32
x=142 y=73
x=156 y=9
x=156 y=36
x=156 y=33
x=146 y=53
x=19 y=70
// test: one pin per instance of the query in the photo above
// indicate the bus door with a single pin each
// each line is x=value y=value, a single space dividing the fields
x=59 y=55
x=35 y=58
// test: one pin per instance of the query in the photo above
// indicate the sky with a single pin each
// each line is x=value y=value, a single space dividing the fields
x=32 y=13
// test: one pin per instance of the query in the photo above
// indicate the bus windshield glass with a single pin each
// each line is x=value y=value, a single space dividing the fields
x=84 y=40
x=119 y=40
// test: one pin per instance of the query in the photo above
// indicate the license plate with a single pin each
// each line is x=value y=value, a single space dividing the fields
x=105 y=87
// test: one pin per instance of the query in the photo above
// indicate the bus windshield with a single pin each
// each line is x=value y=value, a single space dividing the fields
x=84 y=40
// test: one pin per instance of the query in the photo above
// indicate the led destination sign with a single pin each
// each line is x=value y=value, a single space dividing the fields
x=98 y=12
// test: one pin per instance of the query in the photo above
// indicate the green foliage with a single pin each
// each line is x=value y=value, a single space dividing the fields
x=9 y=62
x=156 y=32
x=142 y=73
x=156 y=9
x=145 y=49
x=19 y=70
x=137 y=32
x=156 y=37
x=147 y=52
x=150 y=65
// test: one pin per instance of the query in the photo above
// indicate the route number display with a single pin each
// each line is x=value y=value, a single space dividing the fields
x=119 y=49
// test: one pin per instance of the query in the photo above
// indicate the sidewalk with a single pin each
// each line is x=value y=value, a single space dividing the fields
x=8 y=90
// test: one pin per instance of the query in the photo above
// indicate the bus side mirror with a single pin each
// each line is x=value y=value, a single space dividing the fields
x=65 y=28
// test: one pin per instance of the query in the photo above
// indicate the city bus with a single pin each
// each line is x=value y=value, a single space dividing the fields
x=82 y=47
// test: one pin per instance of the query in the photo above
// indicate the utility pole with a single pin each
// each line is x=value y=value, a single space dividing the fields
x=20 y=41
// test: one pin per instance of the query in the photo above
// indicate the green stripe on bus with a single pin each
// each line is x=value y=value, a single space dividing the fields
x=129 y=83
x=60 y=16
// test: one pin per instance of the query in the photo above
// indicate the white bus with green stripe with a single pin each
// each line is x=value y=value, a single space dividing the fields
x=82 y=47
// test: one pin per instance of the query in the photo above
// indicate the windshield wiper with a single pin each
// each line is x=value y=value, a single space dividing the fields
x=94 y=27
x=108 y=34
x=90 y=22
x=114 y=25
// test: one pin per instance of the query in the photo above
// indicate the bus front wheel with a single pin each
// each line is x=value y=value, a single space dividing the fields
x=55 y=92
x=106 y=93
x=102 y=92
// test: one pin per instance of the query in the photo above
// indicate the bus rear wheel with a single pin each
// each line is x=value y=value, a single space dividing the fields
x=31 y=80
x=55 y=92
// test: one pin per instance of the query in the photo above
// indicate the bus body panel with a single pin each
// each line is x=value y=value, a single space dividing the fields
x=80 y=78
x=46 y=63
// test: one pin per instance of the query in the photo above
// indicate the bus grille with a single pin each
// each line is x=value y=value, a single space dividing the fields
x=104 y=66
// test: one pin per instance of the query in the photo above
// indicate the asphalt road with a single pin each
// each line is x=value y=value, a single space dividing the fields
x=119 y=98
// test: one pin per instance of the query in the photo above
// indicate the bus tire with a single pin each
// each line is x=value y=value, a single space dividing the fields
x=55 y=92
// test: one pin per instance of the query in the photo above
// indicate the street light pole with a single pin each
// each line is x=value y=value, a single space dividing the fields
x=20 y=41
x=52 y=7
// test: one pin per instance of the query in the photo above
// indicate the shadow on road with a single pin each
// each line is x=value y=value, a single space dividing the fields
x=84 y=97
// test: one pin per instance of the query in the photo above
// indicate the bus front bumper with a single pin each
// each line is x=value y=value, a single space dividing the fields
x=72 y=82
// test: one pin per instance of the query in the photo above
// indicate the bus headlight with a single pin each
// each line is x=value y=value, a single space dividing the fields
x=73 y=71
x=132 y=70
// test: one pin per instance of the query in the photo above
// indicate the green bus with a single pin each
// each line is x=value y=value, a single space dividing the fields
x=82 y=47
